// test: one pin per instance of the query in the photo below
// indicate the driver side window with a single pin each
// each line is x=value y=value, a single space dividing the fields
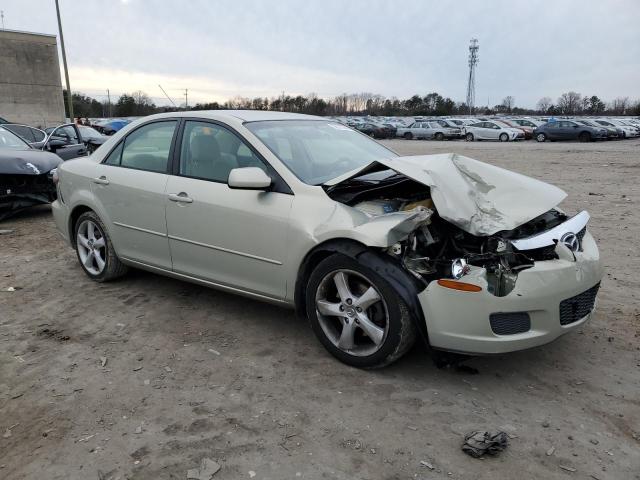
x=210 y=151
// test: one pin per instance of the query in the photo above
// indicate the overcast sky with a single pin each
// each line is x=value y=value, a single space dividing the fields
x=218 y=49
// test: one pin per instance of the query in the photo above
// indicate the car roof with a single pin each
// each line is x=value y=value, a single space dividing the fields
x=243 y=115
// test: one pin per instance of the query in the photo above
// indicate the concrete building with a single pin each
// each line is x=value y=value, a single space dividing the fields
x=30 y=85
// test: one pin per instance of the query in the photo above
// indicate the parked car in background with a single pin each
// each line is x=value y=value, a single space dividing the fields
x=65 y=141
x=448 y=130
x=110 y=127
x=26 y=174
x=492 y=130
x=32 y=135
x=612 y=132
x=528 y=131
x=373 y=130
x=374 y=249
x=628 y=131
x=528 y=122
x=91 y=138
x=568 y=130
x=2 y=120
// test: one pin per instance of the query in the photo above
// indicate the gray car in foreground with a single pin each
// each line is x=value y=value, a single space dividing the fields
x=374 y=249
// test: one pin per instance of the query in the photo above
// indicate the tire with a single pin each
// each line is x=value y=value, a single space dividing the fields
x=387 y=317
x=585 y=137
x=504 y=137
x=541 y=137
x=104 y=265
x=408 y=136
x=439 y=136
x=469 y=137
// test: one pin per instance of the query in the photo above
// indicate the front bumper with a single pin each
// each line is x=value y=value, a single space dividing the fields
x=460 y=321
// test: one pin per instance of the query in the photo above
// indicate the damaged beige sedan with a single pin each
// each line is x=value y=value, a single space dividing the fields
x=374 y=249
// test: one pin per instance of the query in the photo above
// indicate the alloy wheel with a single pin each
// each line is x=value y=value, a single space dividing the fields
x=92 y=248
x=352 y=313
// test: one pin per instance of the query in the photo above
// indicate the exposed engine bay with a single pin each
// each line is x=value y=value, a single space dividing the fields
x=437 y=248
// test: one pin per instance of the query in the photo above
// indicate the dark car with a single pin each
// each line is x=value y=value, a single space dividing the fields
x=32 y=135
x=112 y=126
x=568 y=130
x=612 y=132
x=88 y=136
x=26 y=174
x=372 y=130
x=2 y=120
x=65 y=141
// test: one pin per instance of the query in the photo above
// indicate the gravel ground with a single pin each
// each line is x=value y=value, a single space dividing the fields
x=144 y=377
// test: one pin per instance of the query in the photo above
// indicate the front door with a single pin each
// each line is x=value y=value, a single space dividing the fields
x=65 y=142
x=130 y=186
x=234 y=238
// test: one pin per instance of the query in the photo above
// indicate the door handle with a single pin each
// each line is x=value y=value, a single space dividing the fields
x=101 y=180
x=180 y=197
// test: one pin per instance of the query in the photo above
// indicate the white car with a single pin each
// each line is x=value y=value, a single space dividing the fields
x=628 y=131
x=528 y=122
x=492 y=130
x=429 y=130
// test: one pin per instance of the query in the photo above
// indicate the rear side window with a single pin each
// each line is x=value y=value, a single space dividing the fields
x=148 y=147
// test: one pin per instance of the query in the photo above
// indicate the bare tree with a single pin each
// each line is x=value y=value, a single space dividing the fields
x=544 y=104
x=619 y=105
x=508 y=102
x=569 y=103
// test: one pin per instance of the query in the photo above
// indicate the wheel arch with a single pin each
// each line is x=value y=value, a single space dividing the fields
x=73 y=218
x=406 y=285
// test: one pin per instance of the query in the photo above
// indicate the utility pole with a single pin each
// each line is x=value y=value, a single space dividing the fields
x=108 y=103
x=165 y=94
x=186 y=99
x=471 y=84
x=64 y=62
x=2 y=18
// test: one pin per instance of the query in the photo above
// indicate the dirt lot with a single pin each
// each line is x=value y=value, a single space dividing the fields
x=193 y=373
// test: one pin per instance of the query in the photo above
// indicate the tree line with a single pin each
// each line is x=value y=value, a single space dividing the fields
x=139 y=103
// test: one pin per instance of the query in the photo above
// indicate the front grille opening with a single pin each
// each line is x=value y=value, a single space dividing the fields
x=510 y=323
x=575 y=308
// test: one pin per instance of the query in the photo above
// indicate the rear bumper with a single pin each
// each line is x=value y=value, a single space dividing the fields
x=460 y=321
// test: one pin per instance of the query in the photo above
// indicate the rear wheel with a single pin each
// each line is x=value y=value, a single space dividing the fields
x=585 y=137
x=356 y=314
x=95 y=251
x=439 y=136
x=504 y=137
x=469 y=137
x=408 y=135
x=541 y=137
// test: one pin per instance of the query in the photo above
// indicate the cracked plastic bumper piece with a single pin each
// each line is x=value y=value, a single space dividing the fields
x=461 y=321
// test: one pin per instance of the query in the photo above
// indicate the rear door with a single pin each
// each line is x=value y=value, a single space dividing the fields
x=230 y=237
x=130 y=185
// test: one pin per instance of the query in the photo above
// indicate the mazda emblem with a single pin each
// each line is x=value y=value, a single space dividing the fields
x=570 y=240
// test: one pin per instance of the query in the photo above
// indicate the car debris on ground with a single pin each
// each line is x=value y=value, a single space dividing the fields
x=478 y=443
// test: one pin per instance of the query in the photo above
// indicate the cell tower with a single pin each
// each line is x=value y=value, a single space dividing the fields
x=471 y=86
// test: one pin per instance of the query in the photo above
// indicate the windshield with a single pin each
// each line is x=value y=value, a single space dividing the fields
x=317 y=151
x=11 y=141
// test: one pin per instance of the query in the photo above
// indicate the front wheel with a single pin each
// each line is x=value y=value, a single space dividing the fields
x=504 y=137
x=95 y=250
x=439 y=136
x=408 y=136
x=469 y=137
x=356 y=314
x=541 y=137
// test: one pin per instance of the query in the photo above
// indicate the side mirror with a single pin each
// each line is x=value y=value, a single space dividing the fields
x=249 y=178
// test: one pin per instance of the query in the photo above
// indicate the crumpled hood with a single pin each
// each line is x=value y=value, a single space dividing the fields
x=477 y=197
x=27 y=162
